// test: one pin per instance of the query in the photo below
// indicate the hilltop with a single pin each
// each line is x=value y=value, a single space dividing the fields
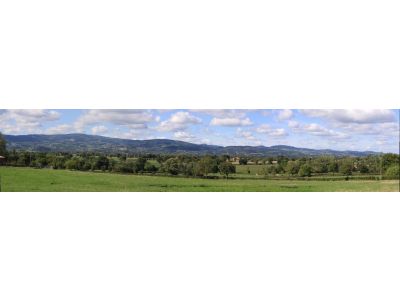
x=83 y=143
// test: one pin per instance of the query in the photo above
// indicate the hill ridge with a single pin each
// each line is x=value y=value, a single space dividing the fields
x=80 y=142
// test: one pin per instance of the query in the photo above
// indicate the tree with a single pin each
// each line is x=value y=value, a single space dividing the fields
x=292 y=167
x=393 y=171
x=58 y=162
x=321 y=164
x=333 y=166
x=150 y=168
x=103 y=163
x=362 y=167
x=242 y=161
x=389 y=159
x=72 y=164
x=305 y=170
x=189 y=169
x=226 y=168
x=125 y=166
x=139 y=164
x=269 y=170
x=3 y=148
x=171 y=166
x=206 y=165
x=346 y=166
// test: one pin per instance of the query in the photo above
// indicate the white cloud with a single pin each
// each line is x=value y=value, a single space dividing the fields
x=274 y=132
x=316 y=129
x=26 y=120
x=184 y=136
x=231 y=122
x=247 y=135
x=264 y=128
x=223 y=113
x=188 y=137
x=130 y=134
x=352 y=115
x=137 y=126
x=126 y=117
x=178 y=122
x=293 y=124
x=285 y=114
x=99 y=129
x=61 y=129
x=278 y=132
x=384 y=129
x=266 y=113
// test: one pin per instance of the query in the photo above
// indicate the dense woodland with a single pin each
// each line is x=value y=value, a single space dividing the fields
x=206 y=165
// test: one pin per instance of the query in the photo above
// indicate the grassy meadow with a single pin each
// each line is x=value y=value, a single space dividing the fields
x=48 y=180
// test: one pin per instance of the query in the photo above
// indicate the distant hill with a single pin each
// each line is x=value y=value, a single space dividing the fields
x=95 y=143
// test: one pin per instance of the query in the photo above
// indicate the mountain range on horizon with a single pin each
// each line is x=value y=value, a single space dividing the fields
x=94 y=143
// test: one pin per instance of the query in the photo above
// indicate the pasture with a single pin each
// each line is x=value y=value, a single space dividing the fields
x=48 y=180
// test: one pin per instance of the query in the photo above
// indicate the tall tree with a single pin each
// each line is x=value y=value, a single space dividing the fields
x=226 y=168
x=2 y=145
x=346 y=166
x=206 y=165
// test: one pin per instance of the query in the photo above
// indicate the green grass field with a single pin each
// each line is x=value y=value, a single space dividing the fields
x=46 y=180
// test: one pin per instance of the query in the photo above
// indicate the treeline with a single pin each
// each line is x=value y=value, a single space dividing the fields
x=206 y=166
x=172 y=165
x=387 y=164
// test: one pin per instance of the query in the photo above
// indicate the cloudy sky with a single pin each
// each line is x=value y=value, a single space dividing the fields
x=376 y=130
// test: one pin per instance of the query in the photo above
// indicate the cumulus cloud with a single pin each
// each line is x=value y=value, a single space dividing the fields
x=293 y=124
x=126 y=117
x=247 y=135
x=178 y=122
x=61 y=129
x=273 y=132
x=231 y=122
x=285 y=114
x=316 y=129
x=26 y=120
x=384 y=129
x=184 y=136
x=265 y=113
x=190 y=138
x=223 y=113
x=99 y=129
x=352 y=115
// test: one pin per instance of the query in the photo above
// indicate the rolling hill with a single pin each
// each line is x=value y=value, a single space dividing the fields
x=94 y=143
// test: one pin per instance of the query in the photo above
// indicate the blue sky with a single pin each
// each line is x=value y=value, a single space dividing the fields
x=376 y=130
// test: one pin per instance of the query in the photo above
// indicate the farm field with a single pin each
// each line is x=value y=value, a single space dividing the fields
x=47 y=180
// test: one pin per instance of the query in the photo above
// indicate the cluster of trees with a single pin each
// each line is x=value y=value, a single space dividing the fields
x=387 y=164
x=197 y=166
x=173 y=165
